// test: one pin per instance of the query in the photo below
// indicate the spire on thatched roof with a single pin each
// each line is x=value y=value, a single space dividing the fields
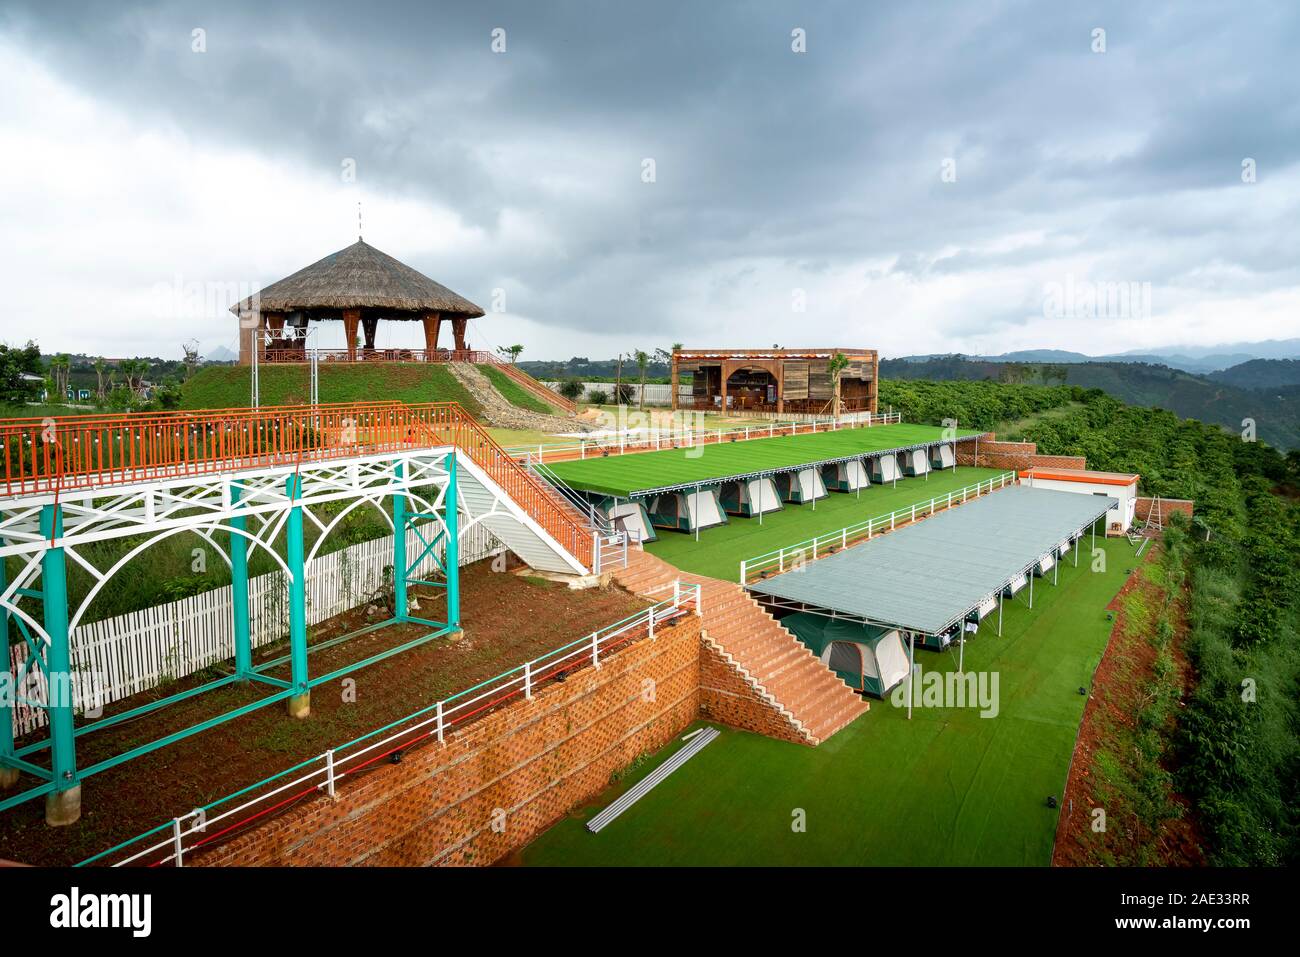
x=360 y=276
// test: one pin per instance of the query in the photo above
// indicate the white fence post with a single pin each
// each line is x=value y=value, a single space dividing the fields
x=528 y=681
x=329 y=772
x=651 y=623
x=595 y=650
x=440 y=725
x=177 y=844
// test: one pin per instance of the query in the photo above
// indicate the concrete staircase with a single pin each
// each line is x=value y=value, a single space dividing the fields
x=781 y=672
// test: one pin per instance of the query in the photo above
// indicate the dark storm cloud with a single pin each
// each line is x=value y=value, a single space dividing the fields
x=817 y=161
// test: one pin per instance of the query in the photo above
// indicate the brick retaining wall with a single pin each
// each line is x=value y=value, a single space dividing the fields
x=520 y=768
x=1167 y=507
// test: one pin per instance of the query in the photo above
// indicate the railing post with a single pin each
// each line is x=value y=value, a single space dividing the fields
x=438 y=712
x=595 y=552
x=63 y=804
x=528 y=681
x=595 y=650
x=329 y=773
x=743 y=576
x=178 y=849
x=652 y=623
x=239 y=589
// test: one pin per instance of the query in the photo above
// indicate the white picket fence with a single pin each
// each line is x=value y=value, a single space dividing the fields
x=118 y=657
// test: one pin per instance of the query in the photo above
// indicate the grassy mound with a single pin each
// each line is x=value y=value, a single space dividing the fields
x=514 y=393
x=221 y=387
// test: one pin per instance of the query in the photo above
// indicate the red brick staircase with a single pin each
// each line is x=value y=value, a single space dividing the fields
x=783 y=675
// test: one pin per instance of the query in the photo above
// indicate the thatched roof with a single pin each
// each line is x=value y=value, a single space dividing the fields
x=358 y=277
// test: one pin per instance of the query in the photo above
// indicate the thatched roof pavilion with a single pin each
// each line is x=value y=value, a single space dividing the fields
x=358 y=286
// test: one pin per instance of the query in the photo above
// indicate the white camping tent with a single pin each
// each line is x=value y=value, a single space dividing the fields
x=914 y=462
x=943 y=456
x=687 y=511
x=1019 y=582
x=750 y=497
x=845 y=476
x=802 y=486
x=631 y=517
x=883 y=468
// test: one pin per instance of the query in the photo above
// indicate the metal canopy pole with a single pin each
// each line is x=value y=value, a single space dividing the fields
x=8 y=774
x=1031 y=586
x=451 y=555
x=300 y=703
x=961 y=649
x=911 y=669
x=401 y=596
x=1001 y=595
x=63 y=805
x=239 y=589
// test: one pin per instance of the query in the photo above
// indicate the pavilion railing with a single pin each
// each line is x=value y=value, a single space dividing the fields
x=791 y=557
x=47 y=455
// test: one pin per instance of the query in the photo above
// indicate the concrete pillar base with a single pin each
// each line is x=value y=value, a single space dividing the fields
x=8 y=778
x=63 y=807
x=300 y=705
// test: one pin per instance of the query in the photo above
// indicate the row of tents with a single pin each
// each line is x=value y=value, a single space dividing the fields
x=689 y=510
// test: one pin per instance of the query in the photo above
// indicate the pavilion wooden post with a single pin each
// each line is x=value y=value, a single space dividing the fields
x=432 y=326
x=675 y=376
x=351 y=318
x=780 y=386
x=722 y=386
x=458 y=333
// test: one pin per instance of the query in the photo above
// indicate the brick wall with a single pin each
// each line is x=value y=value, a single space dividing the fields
x=1015 y=455
x=526 y=765
x=1167 y=507
x=728 y=697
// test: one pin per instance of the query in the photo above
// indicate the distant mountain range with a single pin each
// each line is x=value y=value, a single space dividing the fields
x=1198 y=359
x=1266 y=391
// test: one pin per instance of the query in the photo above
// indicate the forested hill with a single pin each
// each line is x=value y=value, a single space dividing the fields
x=1276 y=413
x=1233 y=757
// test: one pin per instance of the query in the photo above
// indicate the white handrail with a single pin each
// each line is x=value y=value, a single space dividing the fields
x=617 y=443
x=792 y=556
x=331 y=767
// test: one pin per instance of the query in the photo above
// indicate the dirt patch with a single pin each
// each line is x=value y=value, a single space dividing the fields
x=507 y=620
x=1118 y=696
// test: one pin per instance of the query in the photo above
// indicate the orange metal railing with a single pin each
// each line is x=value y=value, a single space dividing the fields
x=46 y=455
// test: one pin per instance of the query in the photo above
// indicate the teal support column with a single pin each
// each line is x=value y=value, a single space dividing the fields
x=401 y=599
x=239 y=590
x=8 y=774
x=63 y=805
x=300 y=702
x=451 y=519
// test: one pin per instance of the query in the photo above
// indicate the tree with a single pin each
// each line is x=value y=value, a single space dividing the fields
x=191 y=359
x=101 y=367
x=839 y=362
x=571 y=389
x=15 y=364
x=642 y=361
x=60 y=370
x=511 y=353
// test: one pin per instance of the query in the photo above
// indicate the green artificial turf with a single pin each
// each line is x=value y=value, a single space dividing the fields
x=721 y=548
x=946 y=788
x=623 y=475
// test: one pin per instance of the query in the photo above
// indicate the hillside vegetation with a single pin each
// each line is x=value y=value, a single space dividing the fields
x=1235 y=743
x=224 y=387
x=1276 y=414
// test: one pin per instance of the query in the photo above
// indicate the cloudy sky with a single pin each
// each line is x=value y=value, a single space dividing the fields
x=914 y=177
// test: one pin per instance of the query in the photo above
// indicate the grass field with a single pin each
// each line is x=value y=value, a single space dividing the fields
x=720 y=549
x=225 y=387
x=622 y=475
x=513 y=392
x=946 y=788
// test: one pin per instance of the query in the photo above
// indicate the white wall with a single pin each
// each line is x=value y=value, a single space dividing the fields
x=1126 y=495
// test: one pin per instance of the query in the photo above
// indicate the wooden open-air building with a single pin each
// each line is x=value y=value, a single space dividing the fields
x=358 y=286
x=774 y=380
